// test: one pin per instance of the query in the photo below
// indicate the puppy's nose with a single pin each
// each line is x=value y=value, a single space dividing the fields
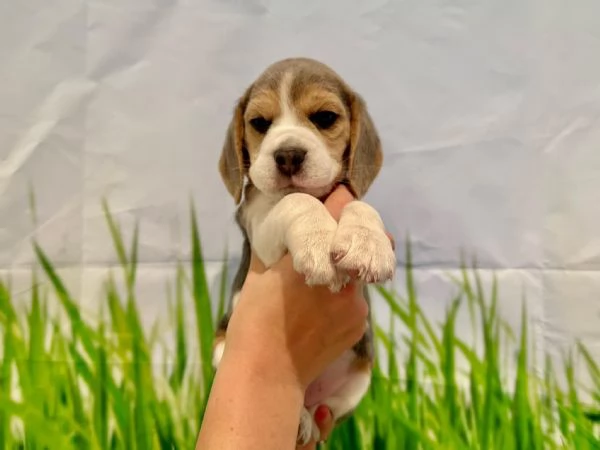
x=289 y=160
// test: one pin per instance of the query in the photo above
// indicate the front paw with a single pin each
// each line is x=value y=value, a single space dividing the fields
x=360 y=246
x=313 y=259
x=308 y=429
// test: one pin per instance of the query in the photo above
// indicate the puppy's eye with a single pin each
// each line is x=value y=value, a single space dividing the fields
x=260 y=124
x=323 y=119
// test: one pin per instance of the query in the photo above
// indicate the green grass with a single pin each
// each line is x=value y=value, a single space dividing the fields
x=69 y=382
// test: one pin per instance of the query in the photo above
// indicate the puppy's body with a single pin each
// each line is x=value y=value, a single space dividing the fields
x=297 y=132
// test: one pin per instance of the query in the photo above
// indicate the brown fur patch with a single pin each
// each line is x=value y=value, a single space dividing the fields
x=265 y=103
x=219 y=338
x=362 y=364
x=366 y=157
x=314 y=98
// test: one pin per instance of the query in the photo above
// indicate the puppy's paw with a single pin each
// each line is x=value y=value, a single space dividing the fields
x=360 y=246
x=313 y=259
x=365 y=254
x=308 y=429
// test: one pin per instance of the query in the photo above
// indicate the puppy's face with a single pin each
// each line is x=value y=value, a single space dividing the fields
x=296 y=132
x=299 y=128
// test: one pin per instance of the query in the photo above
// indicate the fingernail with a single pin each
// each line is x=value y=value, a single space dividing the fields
x=321 y=413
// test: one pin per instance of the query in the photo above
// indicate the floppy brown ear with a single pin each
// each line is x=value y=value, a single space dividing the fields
x=365 y=155
x=231 y=163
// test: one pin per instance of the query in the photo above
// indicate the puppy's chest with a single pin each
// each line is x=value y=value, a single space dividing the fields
x=264 y=231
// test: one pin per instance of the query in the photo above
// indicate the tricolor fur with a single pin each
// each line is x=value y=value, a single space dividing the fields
x=297 y=132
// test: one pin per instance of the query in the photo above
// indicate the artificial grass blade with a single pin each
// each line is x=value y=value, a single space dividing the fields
x=202 y=304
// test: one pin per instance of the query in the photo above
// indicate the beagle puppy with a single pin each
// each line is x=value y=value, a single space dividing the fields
x=297 y=132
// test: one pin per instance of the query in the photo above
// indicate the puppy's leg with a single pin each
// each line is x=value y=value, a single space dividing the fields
x=301 y=224
x=343 y=384
x=218 y=349
x=341 y=404
x=345 y=399
x=219 y=342
x=308 y=429
x=361 y=246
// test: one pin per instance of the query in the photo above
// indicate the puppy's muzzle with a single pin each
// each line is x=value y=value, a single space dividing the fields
x=289 y=160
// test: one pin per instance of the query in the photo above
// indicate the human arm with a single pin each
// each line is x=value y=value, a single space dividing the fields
x=281 y=335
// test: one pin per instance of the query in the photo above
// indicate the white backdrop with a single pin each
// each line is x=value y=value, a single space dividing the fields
x=489 y=114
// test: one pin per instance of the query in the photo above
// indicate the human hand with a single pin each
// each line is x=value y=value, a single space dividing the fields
x=297 y=330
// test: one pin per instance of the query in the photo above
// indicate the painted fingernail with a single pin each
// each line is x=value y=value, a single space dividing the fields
x=321 y=413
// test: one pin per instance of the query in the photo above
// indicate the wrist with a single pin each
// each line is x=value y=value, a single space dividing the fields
x=255 y=402
x=267 y=365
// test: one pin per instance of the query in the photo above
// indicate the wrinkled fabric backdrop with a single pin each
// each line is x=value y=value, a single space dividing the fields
x=489 y=114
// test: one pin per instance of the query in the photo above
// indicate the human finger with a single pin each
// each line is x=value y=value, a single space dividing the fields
x=324 y=421
x=336 y=201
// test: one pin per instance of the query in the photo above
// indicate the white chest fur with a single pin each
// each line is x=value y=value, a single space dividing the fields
x=266 y=237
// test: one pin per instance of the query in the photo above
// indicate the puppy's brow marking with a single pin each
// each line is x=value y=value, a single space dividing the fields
x=288 y=117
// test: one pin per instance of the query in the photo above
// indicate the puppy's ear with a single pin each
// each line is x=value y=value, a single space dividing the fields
x=365 y=155
x=231 y=164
